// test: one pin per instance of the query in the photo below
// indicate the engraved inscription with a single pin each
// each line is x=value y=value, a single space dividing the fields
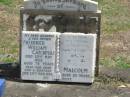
x=71 y=5
x=38 y=56
x=77 y=57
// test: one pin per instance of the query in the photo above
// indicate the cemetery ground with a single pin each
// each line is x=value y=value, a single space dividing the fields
x=114 y=78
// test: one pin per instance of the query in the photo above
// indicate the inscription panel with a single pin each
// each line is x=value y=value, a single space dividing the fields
x=69 y=58
x=38 y=56
x=77 y=57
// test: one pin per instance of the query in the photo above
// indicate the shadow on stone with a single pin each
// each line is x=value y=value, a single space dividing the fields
x=10 y=71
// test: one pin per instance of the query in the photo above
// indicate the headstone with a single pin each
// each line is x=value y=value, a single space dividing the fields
x=77 y=57
x=62 y=5
x=38 y=56
x=48 y=55
x=66 y=57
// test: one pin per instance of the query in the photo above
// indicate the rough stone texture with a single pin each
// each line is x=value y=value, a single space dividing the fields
x=16 y=89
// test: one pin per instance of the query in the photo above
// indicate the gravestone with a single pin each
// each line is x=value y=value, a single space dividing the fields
x=46 y=53
x=38 y=56
x=63 y=5
x=77 y=57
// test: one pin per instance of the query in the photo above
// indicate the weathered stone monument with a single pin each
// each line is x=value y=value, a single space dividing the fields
x=60 y=40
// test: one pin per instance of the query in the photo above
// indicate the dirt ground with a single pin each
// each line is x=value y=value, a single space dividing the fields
x=116 y=44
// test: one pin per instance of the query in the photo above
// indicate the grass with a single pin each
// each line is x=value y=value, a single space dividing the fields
x=11 y=3
x=115 y=16
x=9 y=30
x=120 y=62
x=6 y=2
